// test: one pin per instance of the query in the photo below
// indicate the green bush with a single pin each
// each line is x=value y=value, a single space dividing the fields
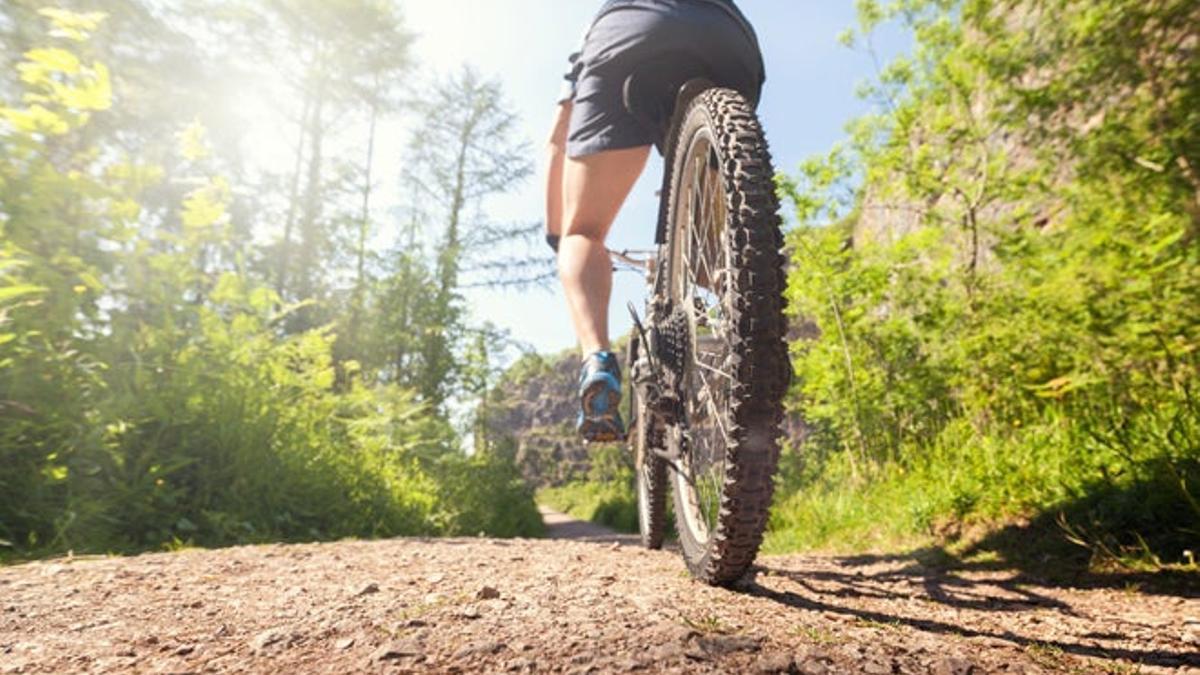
x=1004 y=316
x=151 y=392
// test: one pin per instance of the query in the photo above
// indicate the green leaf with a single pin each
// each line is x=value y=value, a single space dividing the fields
x=35 y=119
x=11 y=292
x=193 y=142
x=76 y=26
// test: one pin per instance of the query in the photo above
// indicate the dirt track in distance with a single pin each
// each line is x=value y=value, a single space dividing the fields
x=592 y=602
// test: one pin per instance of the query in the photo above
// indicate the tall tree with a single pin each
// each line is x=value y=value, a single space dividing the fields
x=465 y=150
x=335 y=62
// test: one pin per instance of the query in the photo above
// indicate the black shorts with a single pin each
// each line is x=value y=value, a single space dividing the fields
x=628 y=33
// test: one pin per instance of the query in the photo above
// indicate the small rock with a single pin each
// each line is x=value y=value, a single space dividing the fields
x=519 y=664
x=126 y=652
x=616 y=545
x=487 y=593
x=185 y=650
x=368 y=589
x=952 y=666
x=344 y=644
x=480 y=648
x=695 y=653
x=665 y=653
x=470 y=612
x=834 y=616
x=816 y=661
x=770 y=664
x=267 y=638
x=397 y=649
x=719 y=645
x=436 y=578
x=629 y=663
x=990 y=641
x=813 y=667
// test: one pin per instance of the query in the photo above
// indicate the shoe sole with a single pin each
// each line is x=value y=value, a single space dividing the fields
x=601 y=429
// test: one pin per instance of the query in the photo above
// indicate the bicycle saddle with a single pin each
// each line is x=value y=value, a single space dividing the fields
x=659 y=90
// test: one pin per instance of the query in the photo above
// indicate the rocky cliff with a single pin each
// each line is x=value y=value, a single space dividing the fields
x=532 y=413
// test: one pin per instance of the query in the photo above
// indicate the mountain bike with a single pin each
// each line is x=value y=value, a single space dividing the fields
x=708 y=366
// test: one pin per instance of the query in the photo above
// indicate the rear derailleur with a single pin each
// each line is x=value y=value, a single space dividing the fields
x=656 y=373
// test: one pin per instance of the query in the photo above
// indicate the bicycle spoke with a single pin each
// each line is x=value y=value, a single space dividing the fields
x=701 y=287
x=713 y=369
x=713 y=410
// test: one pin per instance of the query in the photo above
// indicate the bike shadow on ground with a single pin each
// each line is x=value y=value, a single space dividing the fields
x=1011 y=572
x=831 y=600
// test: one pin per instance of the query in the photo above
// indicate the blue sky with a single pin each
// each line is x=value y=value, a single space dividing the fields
x=808 y=99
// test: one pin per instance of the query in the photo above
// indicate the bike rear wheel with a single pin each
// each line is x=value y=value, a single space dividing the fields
x=724 y=280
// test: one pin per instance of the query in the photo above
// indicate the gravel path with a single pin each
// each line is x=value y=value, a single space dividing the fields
x=562 y=605
x=562 y=526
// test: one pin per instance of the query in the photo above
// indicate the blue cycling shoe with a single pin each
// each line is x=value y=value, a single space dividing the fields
x=599 y=399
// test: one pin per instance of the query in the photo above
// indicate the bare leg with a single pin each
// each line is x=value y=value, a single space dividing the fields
x=594 y=188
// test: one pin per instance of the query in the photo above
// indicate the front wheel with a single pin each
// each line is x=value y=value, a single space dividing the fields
x=724 y=280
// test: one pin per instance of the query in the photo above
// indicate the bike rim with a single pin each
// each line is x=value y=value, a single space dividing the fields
x=700 y=286
x=641 y=467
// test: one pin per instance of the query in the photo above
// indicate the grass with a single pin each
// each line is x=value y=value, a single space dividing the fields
x=1036 y=494
x=1046 y=499
x=612 y=503
x=707 y=624
x=1046 y=656
x=818 y=636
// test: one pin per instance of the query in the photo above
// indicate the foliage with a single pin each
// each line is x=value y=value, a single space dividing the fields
x=464 y=151
x=159 y=386
x=1002 y=317
x=484 y=494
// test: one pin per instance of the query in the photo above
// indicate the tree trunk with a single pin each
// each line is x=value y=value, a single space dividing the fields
x=364 y=226
x=285 y=247
x=310 y=219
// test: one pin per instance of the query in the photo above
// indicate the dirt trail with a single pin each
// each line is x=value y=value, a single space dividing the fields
x=563 y=605
x=562 y=526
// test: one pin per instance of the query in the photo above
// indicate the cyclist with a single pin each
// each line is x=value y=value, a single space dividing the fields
x=597 y=150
